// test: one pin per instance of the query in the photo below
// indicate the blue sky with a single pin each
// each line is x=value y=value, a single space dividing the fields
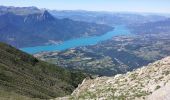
x=156 y=6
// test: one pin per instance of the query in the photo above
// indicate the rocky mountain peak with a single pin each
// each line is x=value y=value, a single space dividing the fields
x=39 y=17
x=47 y=16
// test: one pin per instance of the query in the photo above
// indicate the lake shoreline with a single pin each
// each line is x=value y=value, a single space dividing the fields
x=78 y=42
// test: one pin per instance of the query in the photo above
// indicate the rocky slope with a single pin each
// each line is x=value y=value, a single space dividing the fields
x=147 y=83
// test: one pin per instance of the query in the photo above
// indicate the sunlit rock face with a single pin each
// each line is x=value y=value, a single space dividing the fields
x=147 y=83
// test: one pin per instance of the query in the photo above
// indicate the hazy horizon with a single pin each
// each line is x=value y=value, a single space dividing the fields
x=142 y=6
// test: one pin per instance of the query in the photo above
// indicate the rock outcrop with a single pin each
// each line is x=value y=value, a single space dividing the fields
x=147 y=83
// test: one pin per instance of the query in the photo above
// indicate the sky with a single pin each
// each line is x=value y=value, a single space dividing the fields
x=154 y=6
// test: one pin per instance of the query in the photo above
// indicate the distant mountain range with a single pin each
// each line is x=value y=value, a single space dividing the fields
x=108 y=18
x=22 y=76
x=20 y=10
x=30 y=26
x=158 y=27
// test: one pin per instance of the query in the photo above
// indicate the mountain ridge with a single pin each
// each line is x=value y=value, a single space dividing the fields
x=19 y=29
x=20 y=10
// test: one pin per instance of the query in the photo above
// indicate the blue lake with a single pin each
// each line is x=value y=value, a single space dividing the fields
x=118 y=30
